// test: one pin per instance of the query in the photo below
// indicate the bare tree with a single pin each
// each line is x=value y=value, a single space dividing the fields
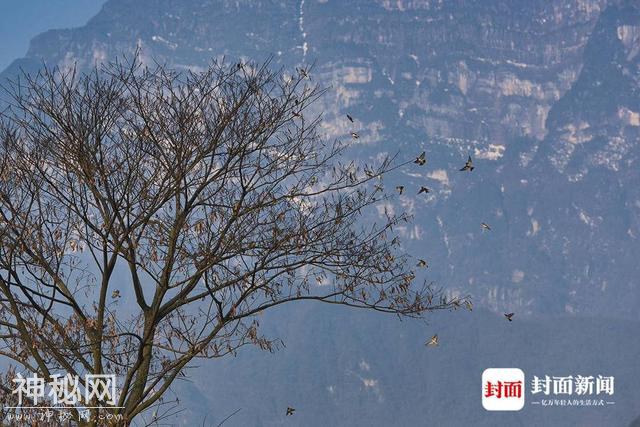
x=206 y=198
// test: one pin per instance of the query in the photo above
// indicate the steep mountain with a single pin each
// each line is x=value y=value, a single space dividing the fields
x=542 y=93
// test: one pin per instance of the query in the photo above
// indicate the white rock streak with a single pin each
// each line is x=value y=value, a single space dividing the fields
x=301 y=25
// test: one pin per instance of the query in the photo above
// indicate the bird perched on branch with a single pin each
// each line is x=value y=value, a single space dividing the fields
x=303 y=73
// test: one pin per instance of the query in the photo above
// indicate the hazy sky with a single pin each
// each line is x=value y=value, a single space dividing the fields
x=21 y=20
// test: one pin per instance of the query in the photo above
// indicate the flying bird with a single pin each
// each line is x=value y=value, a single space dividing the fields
x=485 y=226
x=422 y=263
x=115 y=294
x=354 y=135
x=468 y=166
x=433 y=342
x=350 y=118
x=290 y=410
x=421 y=159
x=509 y=316
x=400 y=188
x=423 y=189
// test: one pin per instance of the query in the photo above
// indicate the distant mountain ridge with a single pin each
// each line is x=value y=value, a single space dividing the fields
x=544 y=94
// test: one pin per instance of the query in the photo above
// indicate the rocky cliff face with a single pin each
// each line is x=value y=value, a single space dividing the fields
x=464 y=70
x=542 y=93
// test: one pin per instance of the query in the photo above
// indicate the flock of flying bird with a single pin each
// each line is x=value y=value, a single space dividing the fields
x=421 y=160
